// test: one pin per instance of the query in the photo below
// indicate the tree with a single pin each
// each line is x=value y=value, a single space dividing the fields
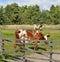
x=55 y=14
x=12 y=13
x=3 y=17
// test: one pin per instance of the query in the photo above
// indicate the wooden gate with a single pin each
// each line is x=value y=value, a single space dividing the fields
x=24 y=58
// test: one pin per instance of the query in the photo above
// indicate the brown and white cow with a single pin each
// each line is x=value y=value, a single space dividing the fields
x=29 y=35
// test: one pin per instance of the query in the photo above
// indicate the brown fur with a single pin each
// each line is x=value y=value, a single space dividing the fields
x=32 y=35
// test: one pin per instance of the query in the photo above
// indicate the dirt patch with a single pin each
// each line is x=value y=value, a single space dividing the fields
x=28 y=26
x=43 y=58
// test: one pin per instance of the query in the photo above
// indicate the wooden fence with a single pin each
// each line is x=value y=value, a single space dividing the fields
x=23 y=58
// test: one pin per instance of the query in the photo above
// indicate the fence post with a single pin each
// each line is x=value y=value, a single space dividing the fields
x=51 y=48
x=24 y=60
x=0 y=43
x=2 y=46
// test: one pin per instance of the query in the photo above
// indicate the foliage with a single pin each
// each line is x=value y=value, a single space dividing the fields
x=14 y=14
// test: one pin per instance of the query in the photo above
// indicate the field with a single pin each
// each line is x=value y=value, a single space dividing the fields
x=54 y=36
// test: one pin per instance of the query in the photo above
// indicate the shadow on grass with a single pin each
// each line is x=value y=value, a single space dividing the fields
x=39 y=48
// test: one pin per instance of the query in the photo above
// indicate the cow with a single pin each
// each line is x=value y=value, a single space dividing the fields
x=34 y=34
x=29 y=35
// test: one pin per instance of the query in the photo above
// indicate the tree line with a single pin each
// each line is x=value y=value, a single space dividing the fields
x=15 y=14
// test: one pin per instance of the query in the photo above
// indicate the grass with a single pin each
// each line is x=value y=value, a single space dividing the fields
x=8 y=33
x=0 y=58
x=54 y=35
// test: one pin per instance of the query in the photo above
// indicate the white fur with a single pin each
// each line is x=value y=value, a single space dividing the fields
x=45 y=37
x=36 y=26
x=25 y=39
x=37 y=31
x=22 y=32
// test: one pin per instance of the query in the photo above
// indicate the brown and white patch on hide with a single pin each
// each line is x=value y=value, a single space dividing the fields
x=23 y=35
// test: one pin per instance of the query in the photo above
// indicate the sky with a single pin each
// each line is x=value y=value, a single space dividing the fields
x=43 y=4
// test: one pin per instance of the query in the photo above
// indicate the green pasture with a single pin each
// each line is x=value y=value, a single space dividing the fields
x=54 y=34
x=10 y=34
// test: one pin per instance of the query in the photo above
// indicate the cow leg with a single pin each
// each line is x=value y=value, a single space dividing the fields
x=35 y=46
x=17 y=44
x=46 y=42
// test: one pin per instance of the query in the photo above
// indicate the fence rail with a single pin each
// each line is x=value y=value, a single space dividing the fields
x=2 y=49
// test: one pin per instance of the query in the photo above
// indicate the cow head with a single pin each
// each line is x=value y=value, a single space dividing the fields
x=46 y=38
